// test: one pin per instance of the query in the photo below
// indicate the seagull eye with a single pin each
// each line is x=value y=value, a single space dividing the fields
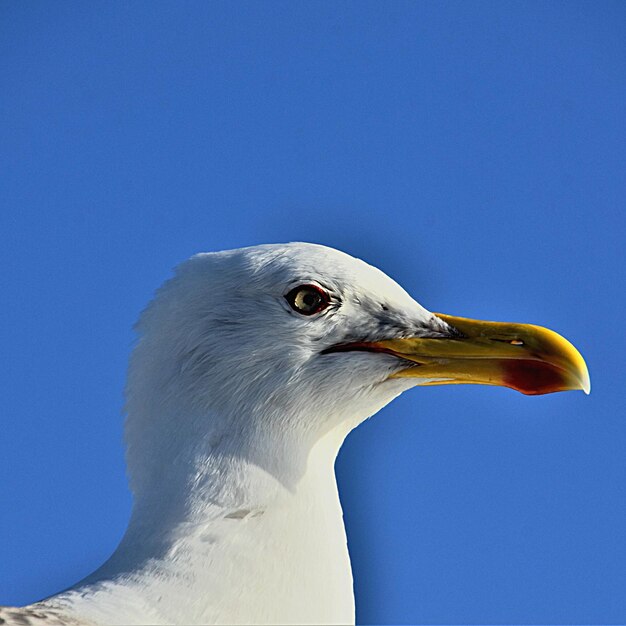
x=307 y=299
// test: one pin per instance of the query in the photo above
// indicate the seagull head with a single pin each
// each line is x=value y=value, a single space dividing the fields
x=275 y=344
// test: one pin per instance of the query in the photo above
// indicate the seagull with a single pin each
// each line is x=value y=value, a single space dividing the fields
x=250 y=368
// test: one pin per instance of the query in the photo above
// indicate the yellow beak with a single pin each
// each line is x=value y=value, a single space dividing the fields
x=530 y=359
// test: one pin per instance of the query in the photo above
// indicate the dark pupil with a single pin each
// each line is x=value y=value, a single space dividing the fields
x=310 y=300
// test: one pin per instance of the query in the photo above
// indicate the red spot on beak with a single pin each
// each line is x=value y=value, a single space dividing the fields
x=533 y=377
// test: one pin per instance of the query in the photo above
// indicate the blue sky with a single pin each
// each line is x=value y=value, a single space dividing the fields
x=473 y=151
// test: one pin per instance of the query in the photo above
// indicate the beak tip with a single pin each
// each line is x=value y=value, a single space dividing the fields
x=585 y=380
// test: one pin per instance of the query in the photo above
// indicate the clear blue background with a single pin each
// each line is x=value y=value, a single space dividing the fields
x=475 y=151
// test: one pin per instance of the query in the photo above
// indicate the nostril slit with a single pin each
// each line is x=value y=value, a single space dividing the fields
x=513 y=342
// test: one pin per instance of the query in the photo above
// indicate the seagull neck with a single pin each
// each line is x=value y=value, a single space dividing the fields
x=211 y=484
x=225 y=469
x=238 y=525
x=227 y=472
